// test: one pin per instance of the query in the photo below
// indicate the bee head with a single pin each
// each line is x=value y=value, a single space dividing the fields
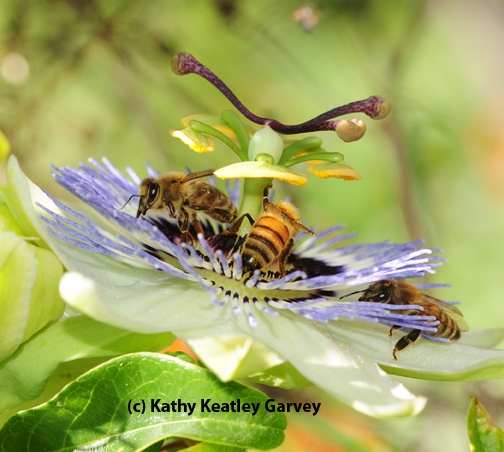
x=149 y=192
x=378 y=292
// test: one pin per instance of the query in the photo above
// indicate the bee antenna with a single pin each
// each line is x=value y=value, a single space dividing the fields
x=129 y=199
x=353 y=293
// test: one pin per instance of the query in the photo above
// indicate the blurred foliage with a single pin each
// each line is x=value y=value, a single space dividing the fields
x=483 y=435
x=92 y=78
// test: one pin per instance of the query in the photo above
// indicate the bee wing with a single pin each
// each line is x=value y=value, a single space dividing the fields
x=197 y=175
x=451 y=311
x=197 y=196
x=207 y=198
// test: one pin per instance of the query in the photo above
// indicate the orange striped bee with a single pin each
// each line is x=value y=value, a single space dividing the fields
x=397 y=292
x=183 y=195
x=271 y=238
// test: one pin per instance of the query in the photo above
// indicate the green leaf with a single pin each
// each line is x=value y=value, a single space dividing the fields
x=64 y=374
x=156 y=447
x=71 y=339
x=209 y=447
x=483 y=435
x=136 y=400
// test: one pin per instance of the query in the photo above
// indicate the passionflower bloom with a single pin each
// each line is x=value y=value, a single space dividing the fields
x=134 y=273
x=137 y=273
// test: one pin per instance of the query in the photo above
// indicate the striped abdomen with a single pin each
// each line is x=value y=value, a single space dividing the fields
x=447 y=327
x=264 y=244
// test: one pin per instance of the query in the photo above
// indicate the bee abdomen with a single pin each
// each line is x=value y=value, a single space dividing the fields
x=254 y=257
x=272 y=233
x=264 y=243
x=447 y=327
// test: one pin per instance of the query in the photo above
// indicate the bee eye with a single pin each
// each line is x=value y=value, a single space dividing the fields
x=383 y=296
x=153 y=191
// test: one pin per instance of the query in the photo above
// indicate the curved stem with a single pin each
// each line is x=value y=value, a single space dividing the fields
x=201 y=127
x=242 y=134
x=308 y=144
x=334 y=157
x=185 y=63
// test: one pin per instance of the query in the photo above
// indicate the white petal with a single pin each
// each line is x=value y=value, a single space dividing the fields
x=424 y=359
x=235 y=356
x=326 y=361
x=144 y=301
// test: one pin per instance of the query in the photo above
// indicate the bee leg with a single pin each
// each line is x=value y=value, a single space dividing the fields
x=235 y=227
x=171 y=208
x=392 y=328
x=186 y=237
x=402 y=343
x=283 y=257
x=183 y=224
x=197 y=224
x=265 y=196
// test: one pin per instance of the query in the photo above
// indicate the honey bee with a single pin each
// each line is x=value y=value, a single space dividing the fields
x=396 y=292
x=183 y=195
x=271 y=238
